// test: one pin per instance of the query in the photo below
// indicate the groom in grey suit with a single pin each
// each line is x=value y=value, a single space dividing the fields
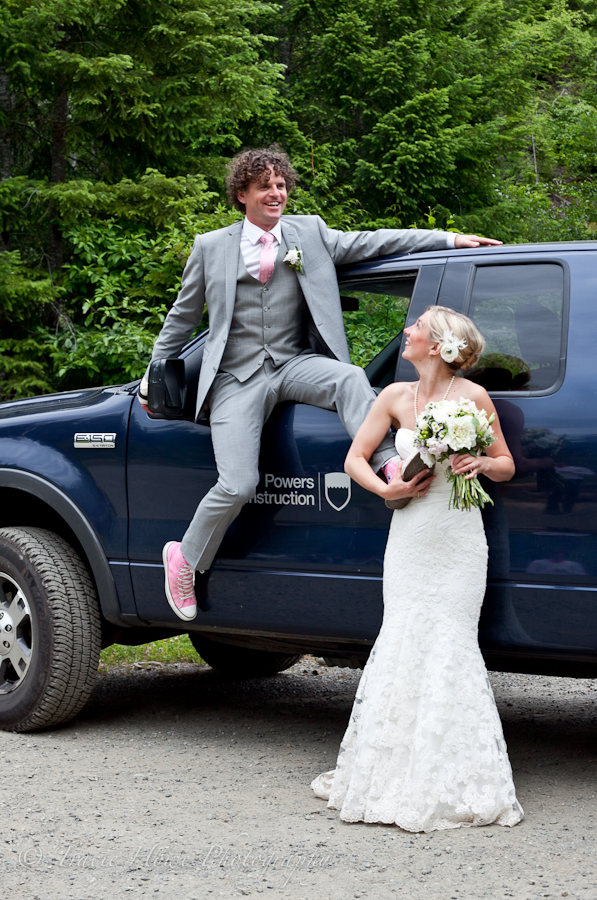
x=275 y=334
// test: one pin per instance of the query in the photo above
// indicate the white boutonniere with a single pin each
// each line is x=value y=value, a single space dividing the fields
x=294 y=258
x=451 y=347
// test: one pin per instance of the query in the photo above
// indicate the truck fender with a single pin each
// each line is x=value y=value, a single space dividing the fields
x=74 y=518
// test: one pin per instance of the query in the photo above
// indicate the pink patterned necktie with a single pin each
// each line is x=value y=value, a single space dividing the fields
x=268 y=257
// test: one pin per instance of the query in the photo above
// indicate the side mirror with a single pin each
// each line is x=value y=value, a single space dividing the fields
x=349 y=304
x=167 y=392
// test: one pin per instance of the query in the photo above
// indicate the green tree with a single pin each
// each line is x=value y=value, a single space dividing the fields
x=117 y=118
x=101 y=102
x=411 y=106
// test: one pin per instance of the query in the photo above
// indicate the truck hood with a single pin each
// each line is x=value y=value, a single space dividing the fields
x=51 y=402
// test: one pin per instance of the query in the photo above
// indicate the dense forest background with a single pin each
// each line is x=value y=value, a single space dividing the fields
x=117 y=118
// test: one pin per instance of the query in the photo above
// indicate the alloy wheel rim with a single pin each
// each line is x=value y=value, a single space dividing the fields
x=16 y=635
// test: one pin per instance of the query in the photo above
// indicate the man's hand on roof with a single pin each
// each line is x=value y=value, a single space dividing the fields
x=473 y=240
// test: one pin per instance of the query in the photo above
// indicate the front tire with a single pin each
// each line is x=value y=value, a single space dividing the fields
x=240 y=662
x=50 y=630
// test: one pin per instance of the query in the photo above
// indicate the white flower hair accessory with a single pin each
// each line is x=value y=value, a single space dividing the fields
x=451 y=347
x=294 y=258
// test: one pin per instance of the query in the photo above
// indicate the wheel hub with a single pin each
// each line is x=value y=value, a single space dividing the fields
x=7 y=633
x=16 y=635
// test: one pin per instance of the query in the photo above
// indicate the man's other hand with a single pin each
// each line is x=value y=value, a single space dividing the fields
x=473 y=240
x=142 y=395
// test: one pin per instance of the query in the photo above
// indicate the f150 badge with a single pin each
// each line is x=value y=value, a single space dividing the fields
x=96 y=440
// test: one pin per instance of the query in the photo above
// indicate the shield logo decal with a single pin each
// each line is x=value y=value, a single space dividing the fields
x=337 y=484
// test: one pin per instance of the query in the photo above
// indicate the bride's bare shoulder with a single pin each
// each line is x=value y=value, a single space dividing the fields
x=398 y=390
x=393 y=398
x=395 y=392
x=473 y=391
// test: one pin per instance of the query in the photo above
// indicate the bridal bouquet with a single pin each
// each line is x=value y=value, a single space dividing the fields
x=449 y=427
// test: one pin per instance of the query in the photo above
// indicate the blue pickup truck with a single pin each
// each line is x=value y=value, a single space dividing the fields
x=90 y=490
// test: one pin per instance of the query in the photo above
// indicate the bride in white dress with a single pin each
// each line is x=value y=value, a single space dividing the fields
x=424 y=748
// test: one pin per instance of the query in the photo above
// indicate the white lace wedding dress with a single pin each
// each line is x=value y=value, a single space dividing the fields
x=424 y=748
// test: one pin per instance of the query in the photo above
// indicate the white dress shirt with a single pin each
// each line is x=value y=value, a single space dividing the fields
x=251 y=248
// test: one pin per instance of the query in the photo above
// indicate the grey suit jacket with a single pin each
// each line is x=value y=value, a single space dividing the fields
x=211 y=272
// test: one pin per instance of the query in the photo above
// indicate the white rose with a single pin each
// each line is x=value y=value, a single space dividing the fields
x=451 y=346
x=292 y=257
x=462 y=434
x=449 y=352
x=443 y=410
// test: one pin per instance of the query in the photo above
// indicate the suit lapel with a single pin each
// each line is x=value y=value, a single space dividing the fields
x=292 y=241
x=232 y=255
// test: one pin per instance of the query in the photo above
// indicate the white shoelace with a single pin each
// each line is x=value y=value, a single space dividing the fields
x=185 y=583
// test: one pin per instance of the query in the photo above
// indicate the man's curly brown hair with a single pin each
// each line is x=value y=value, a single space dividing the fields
x=253 y=165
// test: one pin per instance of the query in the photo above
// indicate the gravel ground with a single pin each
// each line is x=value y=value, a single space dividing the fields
x=177 y=783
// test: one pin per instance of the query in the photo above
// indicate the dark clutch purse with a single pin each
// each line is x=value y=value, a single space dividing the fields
x=413 y=465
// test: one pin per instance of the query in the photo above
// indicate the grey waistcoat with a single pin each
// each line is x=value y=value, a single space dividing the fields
x=268 y=320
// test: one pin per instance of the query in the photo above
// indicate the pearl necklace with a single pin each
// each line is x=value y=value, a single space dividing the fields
x=417 y=394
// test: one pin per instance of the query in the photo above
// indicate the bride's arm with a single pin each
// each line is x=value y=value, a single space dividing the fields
x=497 y=463
x=367 y=439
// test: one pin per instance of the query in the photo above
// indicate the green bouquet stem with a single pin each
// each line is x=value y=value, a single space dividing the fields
x=466 y=493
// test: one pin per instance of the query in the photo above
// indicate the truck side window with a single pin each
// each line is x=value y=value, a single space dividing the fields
x=376 y=316
x=519 y=311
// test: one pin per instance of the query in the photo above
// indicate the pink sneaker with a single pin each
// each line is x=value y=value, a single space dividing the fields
x=180 y=582
x=391 y=467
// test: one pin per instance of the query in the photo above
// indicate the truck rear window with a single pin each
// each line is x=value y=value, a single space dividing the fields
x=519 y=311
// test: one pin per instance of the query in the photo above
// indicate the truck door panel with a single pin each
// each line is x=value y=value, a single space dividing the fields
x=542 y=529
x=310 y=533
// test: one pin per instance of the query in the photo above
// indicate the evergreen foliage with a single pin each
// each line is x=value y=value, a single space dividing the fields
x=117 y=118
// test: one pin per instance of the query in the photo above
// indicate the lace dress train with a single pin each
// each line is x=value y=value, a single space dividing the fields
x=424 y=748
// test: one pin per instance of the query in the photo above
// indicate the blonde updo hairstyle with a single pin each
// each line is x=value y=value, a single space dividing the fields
x=443 y=319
